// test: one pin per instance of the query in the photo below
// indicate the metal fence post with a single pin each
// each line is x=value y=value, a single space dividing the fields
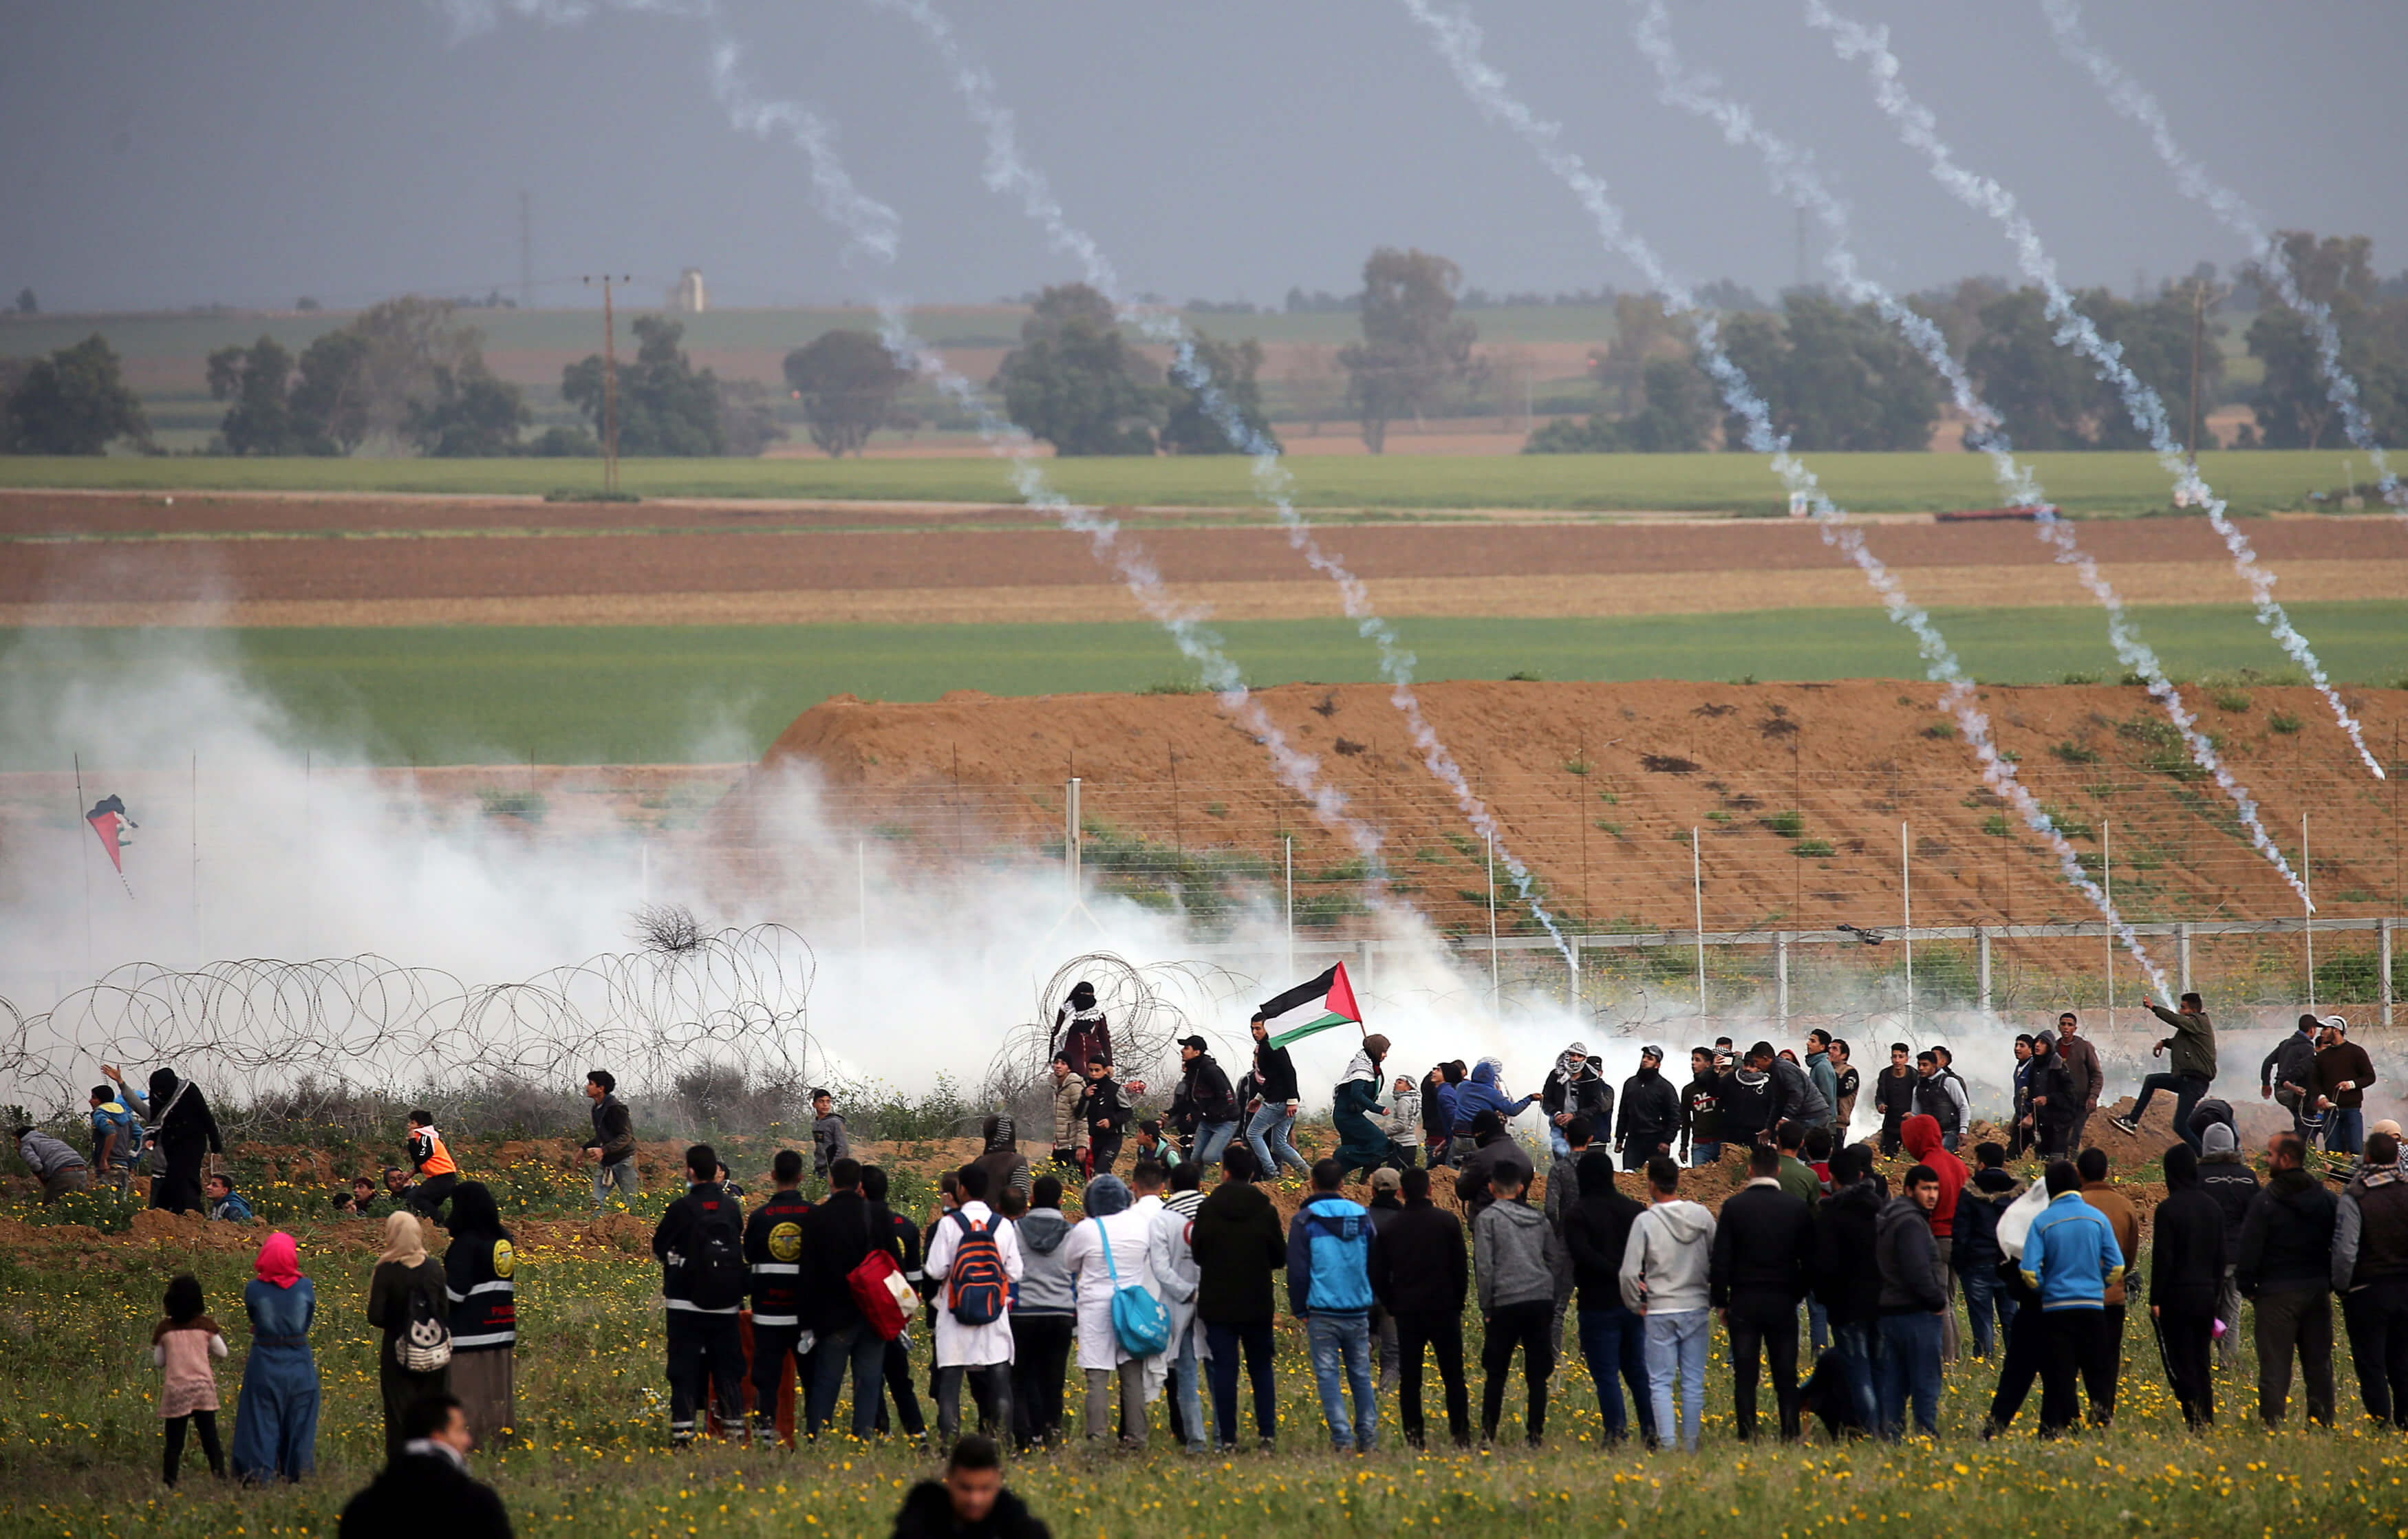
x=1781 y=977
x=2182 y=953
x=1070 y=837
x=2382 y=965
x=1981 y=964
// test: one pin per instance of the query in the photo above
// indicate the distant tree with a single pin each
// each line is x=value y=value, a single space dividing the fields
x=1412 y=347
x=73 y=402
x=1191 y=429
x=748 y=421
x=1075 y=382
x=307 y=306
x=409 y=339
x=330 y=397
x=1957 y=310
x=1642 y=332
x=558 y=442
x=1835 y=376
x=472 y=416
x=260 y=421
x=2049 y=395
x=1676 y=417
x=666 y=407
x=2294 y=404
x=26 y=303
x=846 y=383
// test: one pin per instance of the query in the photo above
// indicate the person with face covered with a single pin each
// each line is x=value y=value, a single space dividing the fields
x=1363 y=1142
x=1574 y=1087
x=1081 y=1030
x=2055 y=1105
x=187 y=1134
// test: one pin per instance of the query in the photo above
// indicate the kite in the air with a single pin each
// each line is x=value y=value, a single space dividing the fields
x=114 y=829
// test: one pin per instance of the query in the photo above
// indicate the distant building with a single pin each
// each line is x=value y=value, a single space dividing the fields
x=689 y=295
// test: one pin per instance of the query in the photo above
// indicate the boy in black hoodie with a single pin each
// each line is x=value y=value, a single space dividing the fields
x=1106 y=1113
x=2185 y=1272
x=1974 y=1253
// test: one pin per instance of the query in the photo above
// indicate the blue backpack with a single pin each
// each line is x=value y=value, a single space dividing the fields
x=1139 y=1323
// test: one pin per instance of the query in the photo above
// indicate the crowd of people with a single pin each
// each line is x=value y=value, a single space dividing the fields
x=1850 y=1296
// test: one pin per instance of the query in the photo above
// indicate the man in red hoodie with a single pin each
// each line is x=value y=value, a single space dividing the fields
x=1920 y=1133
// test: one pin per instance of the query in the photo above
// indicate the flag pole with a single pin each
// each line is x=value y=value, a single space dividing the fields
x=83 y=863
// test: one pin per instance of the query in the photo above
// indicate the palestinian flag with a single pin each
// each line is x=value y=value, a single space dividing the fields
x=112 y=827
x=1331 y=991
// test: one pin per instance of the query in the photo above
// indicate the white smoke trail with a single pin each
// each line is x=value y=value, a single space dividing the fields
x=1457 y=39
x=1794 y=174
x=1009 y=171
x=874 y=231
x=1919 y=129
x=872 y=227
x=2135 y=102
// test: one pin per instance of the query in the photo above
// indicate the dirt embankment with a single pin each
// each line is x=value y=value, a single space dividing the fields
x=1798 y=793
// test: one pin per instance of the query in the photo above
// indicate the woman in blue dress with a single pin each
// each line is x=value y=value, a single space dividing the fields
x=276 y=1419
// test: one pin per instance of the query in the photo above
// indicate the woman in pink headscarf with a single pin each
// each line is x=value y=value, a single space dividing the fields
x=275 y=1420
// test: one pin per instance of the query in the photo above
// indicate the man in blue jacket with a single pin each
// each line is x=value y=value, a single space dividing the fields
x=1485 y=1092
x=1329 y=1287
x=2071 y=1259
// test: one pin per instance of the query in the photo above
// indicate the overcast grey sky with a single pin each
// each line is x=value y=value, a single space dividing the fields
x=175 y=153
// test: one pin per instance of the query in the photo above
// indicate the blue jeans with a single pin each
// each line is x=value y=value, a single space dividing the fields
x=1341 y=1358
x=866 y=1350
x=1704 y=1154
x=1185 y=1383
x=1984 y=1296
x=1268 y=1136
x=1213 y=1141
x=1858 y=1344
x=622 y=1177
x=2186 y=1090
x=1818 y=1329
x=2345 y=1131
x=1676 y=1345
x=1910 y=1368
x=1615 y=1341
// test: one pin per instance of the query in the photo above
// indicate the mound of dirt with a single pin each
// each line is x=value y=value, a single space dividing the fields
x=1800 y=795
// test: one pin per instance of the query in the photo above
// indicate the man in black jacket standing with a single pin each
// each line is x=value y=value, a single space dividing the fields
x=1420 y=1274
x=1761 y=1267
x=2224 y=1176
x=1848 y=1280
x=838 y=1235
x=1597 y=1226
x=2287 y=1074
x=1894 y=1097
x=773 y=1247
x=700 y=1235
x=2370 y=1271
x=2286 y=1270
x=1650 y=1118
x=1237 y=1241
x=2186 y=1269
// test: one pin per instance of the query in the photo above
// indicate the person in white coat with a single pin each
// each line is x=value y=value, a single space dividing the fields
x=1112 y=1248
x=983 y=1351
x=1175 y=1277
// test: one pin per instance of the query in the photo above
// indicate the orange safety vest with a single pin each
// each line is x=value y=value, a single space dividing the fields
x=439 y=1159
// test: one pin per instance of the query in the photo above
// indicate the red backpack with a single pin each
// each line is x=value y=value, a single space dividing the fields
x=977 y=1287
x=881 y=1292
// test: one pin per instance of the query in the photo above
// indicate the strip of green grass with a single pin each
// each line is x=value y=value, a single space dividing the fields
x=675 y=693
x=2105 y=486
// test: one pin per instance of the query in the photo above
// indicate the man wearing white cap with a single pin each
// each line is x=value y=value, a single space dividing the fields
x=2342 y=1073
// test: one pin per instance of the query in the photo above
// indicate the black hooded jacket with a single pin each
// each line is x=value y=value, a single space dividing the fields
x=2187 y=1252
x=1847 y=1276
x=2286 y=1244
x=186 y=1126
x=1420 y=1266
x=1596 y=1227
x=1651 y=1112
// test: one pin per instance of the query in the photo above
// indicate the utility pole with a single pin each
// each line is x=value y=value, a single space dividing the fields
x=526 y=250
x=2199 y=298
x=610 y=386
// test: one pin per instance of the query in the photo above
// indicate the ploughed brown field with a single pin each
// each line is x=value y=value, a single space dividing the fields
x=271 y=560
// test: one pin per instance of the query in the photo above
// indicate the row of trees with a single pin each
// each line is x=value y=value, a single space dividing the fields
x=1839 y=377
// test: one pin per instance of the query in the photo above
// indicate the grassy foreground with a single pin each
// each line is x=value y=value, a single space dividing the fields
x=80 y=1440
x=666 y=694
x=2099 y=484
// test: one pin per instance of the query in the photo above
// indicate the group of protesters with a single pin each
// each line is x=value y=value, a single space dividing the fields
x=1165 y=1287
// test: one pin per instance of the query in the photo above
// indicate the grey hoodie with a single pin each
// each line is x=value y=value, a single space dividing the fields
x=1046 y=1285
x=1515 y=1254
x=1665 y=1263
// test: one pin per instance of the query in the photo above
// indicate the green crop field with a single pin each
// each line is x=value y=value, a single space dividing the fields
x=2088 y=485
x=640 y=695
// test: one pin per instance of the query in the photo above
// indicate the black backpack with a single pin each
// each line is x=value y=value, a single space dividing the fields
x=717 y=1269
x=425 y=1346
